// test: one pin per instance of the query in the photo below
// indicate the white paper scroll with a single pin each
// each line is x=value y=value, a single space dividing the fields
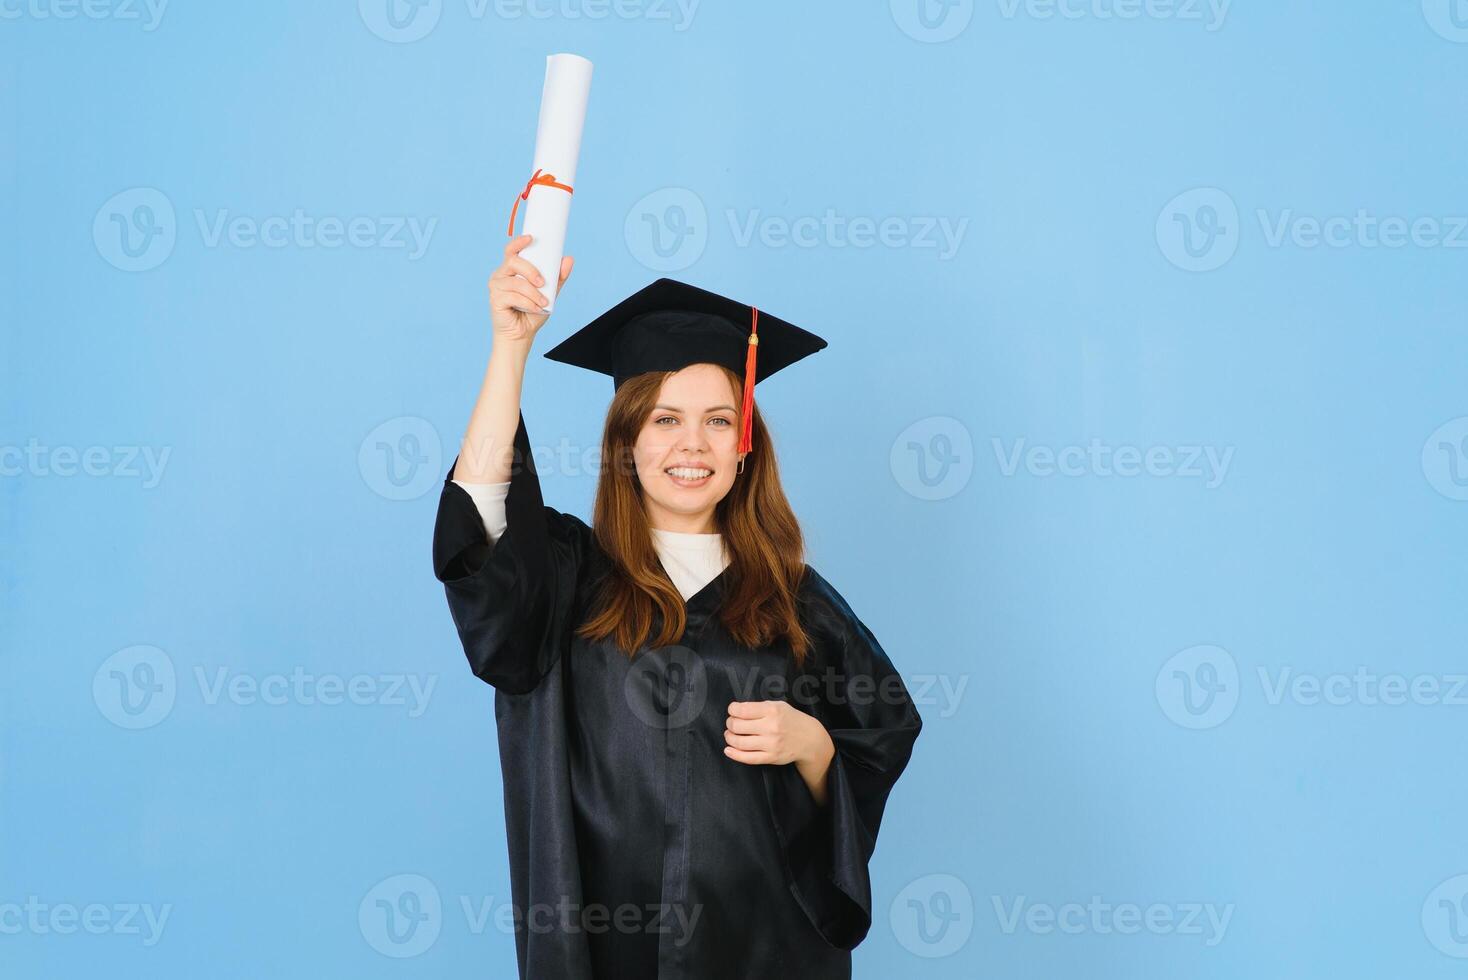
x=557 y=145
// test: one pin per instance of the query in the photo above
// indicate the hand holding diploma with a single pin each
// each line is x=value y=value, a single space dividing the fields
x=547 y=193
x=517 y=286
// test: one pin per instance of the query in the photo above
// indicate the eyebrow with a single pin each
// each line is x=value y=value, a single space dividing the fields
x=670 y=408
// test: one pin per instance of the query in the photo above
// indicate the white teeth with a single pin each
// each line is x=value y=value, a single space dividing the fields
x=688 y=473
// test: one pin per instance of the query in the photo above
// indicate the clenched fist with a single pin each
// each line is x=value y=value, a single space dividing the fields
x=775 y=733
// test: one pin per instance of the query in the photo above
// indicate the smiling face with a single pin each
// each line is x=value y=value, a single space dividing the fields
x=687 y=449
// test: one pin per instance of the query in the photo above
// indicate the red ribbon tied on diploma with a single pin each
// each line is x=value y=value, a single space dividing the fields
x=538 y=178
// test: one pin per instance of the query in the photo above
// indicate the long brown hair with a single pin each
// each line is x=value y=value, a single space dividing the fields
x=760 y=532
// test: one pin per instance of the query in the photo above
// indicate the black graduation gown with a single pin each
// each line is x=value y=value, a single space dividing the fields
x=637 y=848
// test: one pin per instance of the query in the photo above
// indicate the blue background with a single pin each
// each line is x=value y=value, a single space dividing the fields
x=1077 y=758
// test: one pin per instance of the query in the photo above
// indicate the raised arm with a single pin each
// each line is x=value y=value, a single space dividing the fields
x=512 y=595
x=485 y=456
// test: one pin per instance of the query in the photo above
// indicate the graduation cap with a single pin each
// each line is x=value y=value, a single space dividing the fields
x=669 y=325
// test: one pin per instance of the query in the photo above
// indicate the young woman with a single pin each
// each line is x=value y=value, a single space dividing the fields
x=697 y=735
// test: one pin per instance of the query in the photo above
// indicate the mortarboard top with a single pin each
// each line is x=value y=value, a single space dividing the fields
x=669 y=325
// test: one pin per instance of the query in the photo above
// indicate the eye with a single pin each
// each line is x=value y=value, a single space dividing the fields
x=665 y=418
x=720 y=418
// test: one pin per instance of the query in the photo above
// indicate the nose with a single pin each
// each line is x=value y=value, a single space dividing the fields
x=692 y=439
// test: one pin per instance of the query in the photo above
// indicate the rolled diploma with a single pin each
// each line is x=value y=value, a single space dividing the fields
x=557 y=145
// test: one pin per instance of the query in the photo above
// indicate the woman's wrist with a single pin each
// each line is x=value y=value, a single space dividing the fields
x=511 y=350
x=820 y=749
x=814 y=762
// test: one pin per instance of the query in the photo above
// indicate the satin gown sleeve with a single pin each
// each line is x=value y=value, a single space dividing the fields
x=854 y=691
x=511 y=599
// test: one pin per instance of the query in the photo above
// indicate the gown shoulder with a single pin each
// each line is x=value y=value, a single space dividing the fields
x=513 y=601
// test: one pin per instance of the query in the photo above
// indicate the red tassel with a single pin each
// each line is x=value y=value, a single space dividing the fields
x=746 y=412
